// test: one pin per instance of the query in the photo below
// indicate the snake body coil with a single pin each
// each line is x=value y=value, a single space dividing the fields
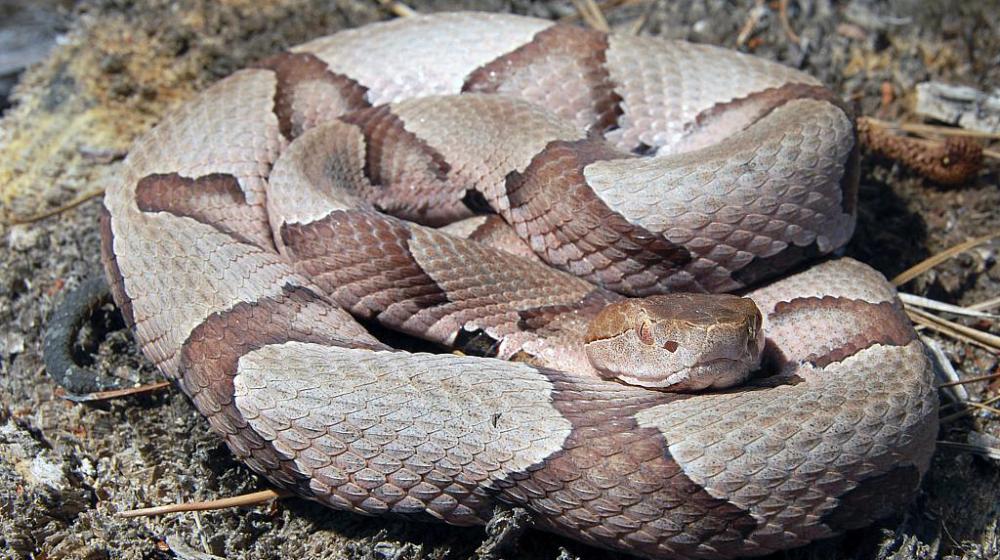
x=248 y=228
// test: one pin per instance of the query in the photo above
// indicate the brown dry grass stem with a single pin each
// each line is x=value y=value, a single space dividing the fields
x=935 y=305
x=985 y=451
x=753 y=18
x=398 y=8
x=786 y=25
x=984 y=305
x=935 y=132
x=591 y=13
x=252 y=499
x=641 y=22
x=119 y=393
x=934 y=260
x=919 y=128
x=605 y=7
x=985 y=340
x=970 y=380
x=18 y=220
x=967 y=411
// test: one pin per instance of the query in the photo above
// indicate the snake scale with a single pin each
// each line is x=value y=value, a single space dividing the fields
x=489 y=183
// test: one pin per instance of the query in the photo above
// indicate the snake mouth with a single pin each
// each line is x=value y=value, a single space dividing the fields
x=717 y=374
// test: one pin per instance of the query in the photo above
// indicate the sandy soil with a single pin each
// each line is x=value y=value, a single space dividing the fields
x=66 y=469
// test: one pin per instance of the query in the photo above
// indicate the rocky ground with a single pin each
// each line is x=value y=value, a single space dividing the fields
x=117 y=66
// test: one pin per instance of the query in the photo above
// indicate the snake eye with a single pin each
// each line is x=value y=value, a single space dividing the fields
x=645 y=332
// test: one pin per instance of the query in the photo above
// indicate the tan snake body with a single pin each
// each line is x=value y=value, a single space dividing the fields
x=245 y=232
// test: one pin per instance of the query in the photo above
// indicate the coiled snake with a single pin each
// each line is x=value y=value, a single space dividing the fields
x=252 y=224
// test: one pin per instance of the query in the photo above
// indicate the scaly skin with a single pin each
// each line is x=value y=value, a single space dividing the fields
x=242 y=236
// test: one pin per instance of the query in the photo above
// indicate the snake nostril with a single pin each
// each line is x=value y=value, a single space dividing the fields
x=671 y=345
x=645 y=332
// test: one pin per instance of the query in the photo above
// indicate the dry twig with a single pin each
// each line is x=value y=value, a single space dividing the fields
x=920 y=128
x=119 y=393
x=965 y=412
x=252 y=499
x=592 y=14
x=787 y=25
x=971 y=380
x=17 y=220
x=980 y=338
x=931 y=262
x=640 y=23
x=990 y=452
x=927 y=303
x=988 y=304
x=604 y=6
x=398 y=8
x=753 y=18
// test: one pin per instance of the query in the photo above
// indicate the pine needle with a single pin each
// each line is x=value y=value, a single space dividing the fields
x=927 y=303
x=591 y=13
x=986 y=340
x=787 y=25
x=641 y=22
x=17 y=220
x=398 y=8
x=934 y=129
x=971 y=380
x=118 y=393
x=973 y=406
x=252 y=499
x=982 y=450
x=931 y=262
x=988 y=304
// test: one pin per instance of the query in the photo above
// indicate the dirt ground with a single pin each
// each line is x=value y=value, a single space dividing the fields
x=65 y=469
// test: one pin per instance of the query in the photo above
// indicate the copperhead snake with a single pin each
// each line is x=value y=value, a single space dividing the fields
x=250 y=232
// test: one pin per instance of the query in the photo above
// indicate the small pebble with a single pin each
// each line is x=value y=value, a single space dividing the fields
x=22 y=238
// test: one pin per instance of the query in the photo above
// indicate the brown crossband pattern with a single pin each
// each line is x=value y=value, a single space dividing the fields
x=249 y=234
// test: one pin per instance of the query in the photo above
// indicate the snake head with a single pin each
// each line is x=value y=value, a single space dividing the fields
x=677 y=342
